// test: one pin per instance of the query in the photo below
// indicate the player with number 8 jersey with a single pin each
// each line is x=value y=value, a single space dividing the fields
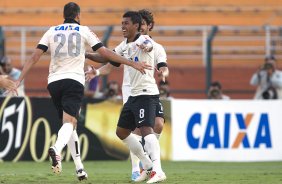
x=140 y=108
x=140 y=84
x=140 y=96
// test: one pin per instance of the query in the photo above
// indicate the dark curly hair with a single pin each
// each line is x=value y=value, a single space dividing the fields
x=148 y=16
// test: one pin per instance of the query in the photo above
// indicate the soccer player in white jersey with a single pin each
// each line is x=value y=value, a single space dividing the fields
x=140 y=108
x=160 y=61
x=66 y=78
x=160 y=57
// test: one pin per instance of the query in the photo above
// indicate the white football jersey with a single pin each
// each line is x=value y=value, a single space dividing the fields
x=126 y=92
x=67 y=47
x=133 y=79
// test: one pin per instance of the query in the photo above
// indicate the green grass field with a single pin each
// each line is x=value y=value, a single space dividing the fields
x=114 y=172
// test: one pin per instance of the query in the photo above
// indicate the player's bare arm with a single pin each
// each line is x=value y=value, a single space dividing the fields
x=93 y=72
x=29 y=64
x=112 y=56
x=96 y=57
x=163 y=72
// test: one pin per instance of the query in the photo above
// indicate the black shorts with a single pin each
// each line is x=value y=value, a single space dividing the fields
x=160 y=110
x=67 y=96
x=139 y=111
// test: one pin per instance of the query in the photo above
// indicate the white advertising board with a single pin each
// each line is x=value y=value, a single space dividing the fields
x=227 y=130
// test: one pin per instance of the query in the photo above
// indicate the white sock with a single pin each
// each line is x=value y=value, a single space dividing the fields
x=157 y=135
x=134 y=159
x=152 y=147
x=74 y=147
x=64 y=135
x=136 y=148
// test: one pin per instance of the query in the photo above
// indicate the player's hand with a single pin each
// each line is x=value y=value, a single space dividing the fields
x=162 y=73
x=141 y=66
x=146 y=46
x=90 y=73
x=7 y=83
x=10 y=86
x=14 y=92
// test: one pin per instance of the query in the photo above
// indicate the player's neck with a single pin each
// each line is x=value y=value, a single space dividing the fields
x=71 y=21
x=133 y=38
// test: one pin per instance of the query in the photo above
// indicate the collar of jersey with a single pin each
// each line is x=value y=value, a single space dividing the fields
x=71 y=21
x=136 y=37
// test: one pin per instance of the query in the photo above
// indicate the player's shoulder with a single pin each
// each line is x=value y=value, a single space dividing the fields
x=51 y=28
x=123 y=43
x=84 y=28
x=158 y=47
x=15 y=71
x=145 y=37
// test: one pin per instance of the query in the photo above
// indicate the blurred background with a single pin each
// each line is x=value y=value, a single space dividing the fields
x=216 y=49
x=218 y=40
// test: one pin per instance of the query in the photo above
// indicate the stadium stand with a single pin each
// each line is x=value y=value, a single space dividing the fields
x=239 y=46
x=188 y=12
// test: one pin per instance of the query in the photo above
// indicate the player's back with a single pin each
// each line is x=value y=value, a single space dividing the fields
x=67 y=47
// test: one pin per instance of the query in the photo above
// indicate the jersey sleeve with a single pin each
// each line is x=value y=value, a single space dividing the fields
x=44 y=42
x=93 y=40
x=117 y=50
x=160 y=54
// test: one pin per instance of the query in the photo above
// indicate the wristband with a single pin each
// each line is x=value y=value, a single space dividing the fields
x=97 y=72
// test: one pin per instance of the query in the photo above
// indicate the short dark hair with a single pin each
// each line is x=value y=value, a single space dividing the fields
x=135 y=17
x=71 y=10
x=271 y=57
x=4 y=60
x=148 y=16
x=216 y=84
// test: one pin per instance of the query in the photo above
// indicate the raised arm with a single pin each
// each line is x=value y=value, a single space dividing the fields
x=29 y=64
x=96 y=57
x=112 y=56
x=93 y=72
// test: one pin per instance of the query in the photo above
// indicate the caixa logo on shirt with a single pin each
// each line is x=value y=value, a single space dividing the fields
x=15 y=126
x=229 y=130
